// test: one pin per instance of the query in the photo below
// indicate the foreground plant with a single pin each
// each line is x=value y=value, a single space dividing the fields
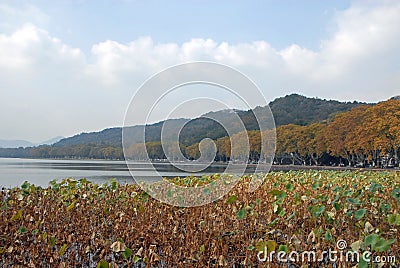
x=81 y=224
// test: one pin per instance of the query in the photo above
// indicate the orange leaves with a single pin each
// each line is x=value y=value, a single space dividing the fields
x=365 y=133
x=365 y=129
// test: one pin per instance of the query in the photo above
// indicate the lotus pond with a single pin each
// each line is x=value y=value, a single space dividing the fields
x=76 y=223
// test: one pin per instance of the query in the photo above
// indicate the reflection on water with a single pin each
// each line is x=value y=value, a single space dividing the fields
x=14 y=171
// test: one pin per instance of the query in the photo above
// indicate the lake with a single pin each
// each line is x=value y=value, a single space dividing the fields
x=14 y=171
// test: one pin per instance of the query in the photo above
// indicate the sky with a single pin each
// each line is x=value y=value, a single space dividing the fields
x=73 y=66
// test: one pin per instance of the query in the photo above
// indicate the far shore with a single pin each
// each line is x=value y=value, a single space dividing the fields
x=221 y=164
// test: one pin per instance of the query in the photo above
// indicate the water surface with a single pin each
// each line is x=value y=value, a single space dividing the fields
x=14 y=171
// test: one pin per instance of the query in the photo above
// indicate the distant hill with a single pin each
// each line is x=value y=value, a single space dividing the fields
x=24 y=143
x=110 y=136
x=113 y=136
x=51 y=141
x=15 y=143
x=299 y=110
x=291 y=109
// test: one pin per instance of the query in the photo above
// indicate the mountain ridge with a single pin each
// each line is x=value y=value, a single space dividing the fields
x=284 y=109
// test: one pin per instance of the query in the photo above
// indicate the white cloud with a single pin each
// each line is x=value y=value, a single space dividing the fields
x=40 y=73
x=30 y=46
x=365 y=34
x=364 y=47
x=12 y=16
x=299 y=60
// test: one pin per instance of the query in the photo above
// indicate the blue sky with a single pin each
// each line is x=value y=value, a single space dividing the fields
x=73 y=66
x=83 y=23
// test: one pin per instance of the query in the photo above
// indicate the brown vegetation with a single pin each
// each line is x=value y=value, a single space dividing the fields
x=80 y=224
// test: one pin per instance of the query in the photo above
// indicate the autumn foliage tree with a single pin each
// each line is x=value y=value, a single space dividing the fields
x=364 y=135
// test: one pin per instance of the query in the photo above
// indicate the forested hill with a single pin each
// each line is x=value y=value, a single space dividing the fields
x=291 y=109
x=111 y=136
x=300 y=110
x=106 y=144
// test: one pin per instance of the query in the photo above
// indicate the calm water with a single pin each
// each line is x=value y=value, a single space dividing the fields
x=14 y=171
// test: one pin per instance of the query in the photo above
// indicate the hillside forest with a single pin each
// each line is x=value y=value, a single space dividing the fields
x=354 y=134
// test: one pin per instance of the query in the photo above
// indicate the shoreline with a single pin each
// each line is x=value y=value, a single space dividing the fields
x=217 y=164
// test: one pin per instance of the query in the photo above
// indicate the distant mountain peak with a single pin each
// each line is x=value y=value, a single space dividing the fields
x=301 y=110
x=51 y=141
x=15 y=143
x=224 y=111
x=24 y=143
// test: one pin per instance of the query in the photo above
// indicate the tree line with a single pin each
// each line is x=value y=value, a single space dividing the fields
x=78 y=151
x=367 y=135
x=364 y=136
